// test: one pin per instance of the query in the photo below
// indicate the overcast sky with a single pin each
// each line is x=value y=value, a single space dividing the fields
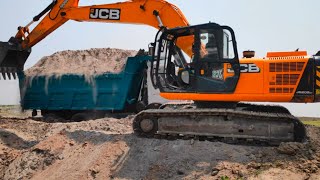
x=264 y=25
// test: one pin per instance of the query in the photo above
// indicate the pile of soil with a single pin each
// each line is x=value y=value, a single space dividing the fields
x=85 y=62
x=107 y=149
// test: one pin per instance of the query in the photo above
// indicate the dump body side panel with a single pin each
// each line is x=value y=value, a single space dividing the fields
x=108 y=91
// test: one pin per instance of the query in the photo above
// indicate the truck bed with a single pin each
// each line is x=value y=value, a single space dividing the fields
x=108 y=91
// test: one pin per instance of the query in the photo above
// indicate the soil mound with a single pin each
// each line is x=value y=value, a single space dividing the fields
x=85 y=62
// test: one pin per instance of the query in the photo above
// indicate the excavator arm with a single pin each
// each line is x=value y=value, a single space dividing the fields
x=155 y=13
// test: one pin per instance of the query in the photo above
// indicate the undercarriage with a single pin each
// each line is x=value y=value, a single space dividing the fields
x=244 y=123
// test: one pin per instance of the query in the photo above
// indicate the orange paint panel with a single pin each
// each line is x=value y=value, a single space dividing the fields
x=286 y=54
x=284 y=75
x=131 y=13
x=228 y=97
x=257 y=87
x=251 y=83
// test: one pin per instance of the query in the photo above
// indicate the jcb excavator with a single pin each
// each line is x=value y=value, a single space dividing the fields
x=198 y=63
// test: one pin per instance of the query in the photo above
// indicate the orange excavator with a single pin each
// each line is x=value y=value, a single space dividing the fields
x=198 y=63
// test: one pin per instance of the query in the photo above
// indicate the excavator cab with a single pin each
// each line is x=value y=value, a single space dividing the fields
x=12 y=58
x=212 y=68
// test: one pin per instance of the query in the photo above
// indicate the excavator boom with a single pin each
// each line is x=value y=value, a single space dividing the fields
x=155 y=13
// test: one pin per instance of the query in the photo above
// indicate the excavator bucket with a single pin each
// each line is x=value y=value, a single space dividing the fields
x=12 y=59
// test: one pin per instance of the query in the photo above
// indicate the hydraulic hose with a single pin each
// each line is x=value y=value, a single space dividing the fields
x=36 y=18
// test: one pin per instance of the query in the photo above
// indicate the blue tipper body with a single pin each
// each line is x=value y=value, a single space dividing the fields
x=108 y=91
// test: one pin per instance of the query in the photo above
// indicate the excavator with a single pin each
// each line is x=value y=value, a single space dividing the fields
x=199 y=63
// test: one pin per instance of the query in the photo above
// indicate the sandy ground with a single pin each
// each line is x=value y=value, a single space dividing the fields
x=107 y=149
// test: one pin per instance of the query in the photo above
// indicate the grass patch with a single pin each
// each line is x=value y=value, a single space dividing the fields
x=257 y=172
x=8 y=106
x=309 y=119
x=313 y=123
x=11 y=111
x=224 y=178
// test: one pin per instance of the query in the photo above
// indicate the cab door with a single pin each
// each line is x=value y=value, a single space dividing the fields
x=217 y=68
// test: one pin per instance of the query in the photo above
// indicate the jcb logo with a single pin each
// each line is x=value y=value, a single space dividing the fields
x=109 y=14
x=246 y=68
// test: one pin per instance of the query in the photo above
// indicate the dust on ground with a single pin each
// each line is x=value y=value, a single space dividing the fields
x=107 y=149
x=84 y=62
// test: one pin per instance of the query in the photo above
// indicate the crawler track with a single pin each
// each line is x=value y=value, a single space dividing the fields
x=247 y=123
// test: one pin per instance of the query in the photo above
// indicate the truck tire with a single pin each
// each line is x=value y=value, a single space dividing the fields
x=81 y=117
x=52 y=118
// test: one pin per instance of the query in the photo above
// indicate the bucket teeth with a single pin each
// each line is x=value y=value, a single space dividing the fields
x=4 y=76
x=8 y=72
x=9 y=75
x=14 y=75
x=12 y=58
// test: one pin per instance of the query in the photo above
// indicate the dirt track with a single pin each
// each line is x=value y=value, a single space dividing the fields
x=107 y=149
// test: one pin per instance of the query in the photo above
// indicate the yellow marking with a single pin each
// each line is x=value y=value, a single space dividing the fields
x=318 y=83
x=318 y=91
x=318 y=73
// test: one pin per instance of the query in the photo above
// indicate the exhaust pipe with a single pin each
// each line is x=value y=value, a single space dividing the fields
x=12 y=58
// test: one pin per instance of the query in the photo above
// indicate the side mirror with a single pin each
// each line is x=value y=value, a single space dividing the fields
x=151 y=49
x=184 y=76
